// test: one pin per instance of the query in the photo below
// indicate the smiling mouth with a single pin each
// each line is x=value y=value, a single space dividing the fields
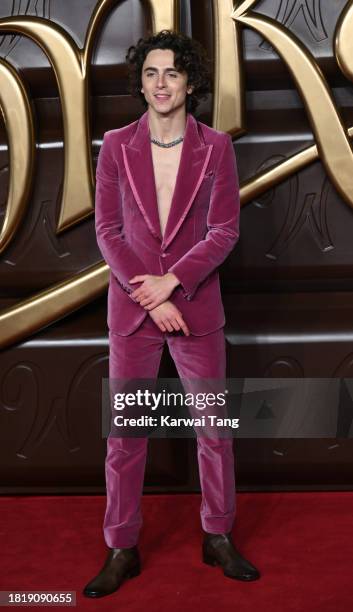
x=162 y=96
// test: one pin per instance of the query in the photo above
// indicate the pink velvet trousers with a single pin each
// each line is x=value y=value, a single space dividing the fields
x=138 y=356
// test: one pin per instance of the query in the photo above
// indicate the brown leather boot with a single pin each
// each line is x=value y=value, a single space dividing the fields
x=218 y=549
x=120 y=564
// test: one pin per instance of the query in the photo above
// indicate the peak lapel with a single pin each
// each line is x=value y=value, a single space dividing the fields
x=139 y=167
x=138 y=162
x=192 y=167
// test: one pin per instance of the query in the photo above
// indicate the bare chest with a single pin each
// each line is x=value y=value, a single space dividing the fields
x=165 y=164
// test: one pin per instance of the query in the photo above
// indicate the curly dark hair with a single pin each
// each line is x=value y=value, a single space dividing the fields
x=189 y=56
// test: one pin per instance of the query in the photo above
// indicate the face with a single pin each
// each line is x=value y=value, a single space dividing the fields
x=164 y=88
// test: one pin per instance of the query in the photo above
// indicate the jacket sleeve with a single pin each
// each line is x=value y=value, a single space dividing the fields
x=117 y=253
x=222 y=223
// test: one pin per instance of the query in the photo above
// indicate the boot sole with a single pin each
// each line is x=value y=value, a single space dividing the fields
x=213 y=562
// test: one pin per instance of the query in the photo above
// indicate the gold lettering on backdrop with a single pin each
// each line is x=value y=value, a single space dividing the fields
x=332 y=141
x=71 y=64
x=165 y=14
x=71 y=75
x=343 y=41
x=21 y=150
x=228 y=96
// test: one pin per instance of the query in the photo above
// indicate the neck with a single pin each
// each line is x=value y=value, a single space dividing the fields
x=166 y=128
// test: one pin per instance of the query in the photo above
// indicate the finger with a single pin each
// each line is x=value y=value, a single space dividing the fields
x=168 y=325
x=184 y=327
x=136 y=279
x=162 y=327
x=154 y=303
x=150 y=302
x=146 y=301
x=176 y=324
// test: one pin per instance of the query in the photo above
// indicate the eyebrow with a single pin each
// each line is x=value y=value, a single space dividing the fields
x=155 y=69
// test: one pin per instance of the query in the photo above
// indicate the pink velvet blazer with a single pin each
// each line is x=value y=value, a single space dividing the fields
x=202 y=226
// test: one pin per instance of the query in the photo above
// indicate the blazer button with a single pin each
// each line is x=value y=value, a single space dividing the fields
x=164 y=255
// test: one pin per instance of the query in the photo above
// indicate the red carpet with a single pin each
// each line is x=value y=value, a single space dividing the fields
x=301 y=542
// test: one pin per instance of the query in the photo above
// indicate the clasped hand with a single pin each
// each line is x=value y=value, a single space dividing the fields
x=154 y=289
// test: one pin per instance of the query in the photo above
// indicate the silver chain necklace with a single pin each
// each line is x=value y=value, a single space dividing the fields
x=166 y=145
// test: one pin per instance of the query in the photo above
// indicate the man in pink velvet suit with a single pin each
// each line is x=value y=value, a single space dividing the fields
x=167 y=216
